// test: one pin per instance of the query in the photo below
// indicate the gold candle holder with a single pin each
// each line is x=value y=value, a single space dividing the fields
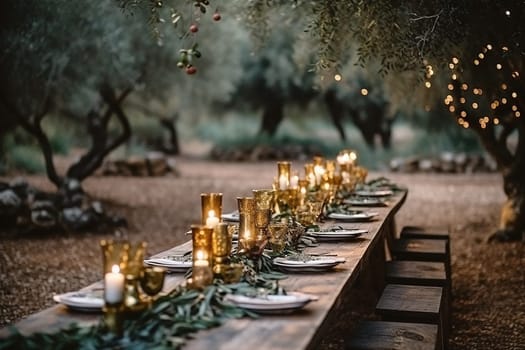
x=319 y=170
x=283 y=175
x=309 y=175
x=221 y=245
x=247 y=229
x=127 y=283
x=346 y=156
x=209 y=202
x=202 y=274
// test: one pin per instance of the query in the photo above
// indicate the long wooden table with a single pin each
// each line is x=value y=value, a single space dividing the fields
x=301 y=330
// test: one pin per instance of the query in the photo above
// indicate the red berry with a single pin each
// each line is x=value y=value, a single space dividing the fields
x=194 y=28
x=191 y=70
x=216 y=16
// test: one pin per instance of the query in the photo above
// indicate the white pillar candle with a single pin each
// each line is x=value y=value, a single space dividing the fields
x=283 y=182
x=212 y=220
x=114 y=286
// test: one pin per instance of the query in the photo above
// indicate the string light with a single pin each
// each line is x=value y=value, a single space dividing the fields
x=463 y=114
x=489 y=47
x=475 y=105
x=498 y=66
x=451 y=65
x=481 y=56
x=514 y=94
x=450 y=87
x=507 y=13
x=503 y=86
x=476 y=62
x=504 y=100
x=514 y=108
x=496 y=121
x=455 y=60
x=464 y=86
x=364 y=92
x=452 y=109
x=428 y=84
x=454 y=76
x=337 y=77
x=517 y=114
x=462 y=100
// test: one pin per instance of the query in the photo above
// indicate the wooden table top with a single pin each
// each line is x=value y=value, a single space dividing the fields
x=300 y=330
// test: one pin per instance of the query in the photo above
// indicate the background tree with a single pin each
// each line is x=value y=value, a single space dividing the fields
x=480 y=42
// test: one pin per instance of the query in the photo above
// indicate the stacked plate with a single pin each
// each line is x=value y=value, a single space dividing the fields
x=337 y=235
x=172 y=265
x=232 y=217
x=90 y=301
x=356 y=216
x=365 y=202
x=374 y=193
x=312 y=264
x=271 y=304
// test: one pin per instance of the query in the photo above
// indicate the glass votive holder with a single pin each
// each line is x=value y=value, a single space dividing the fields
x=202 y=243
x=247 y=228
x=346 y=156
x=221 y=243
x=283 y=174
x=209 y=202
x=309 y=174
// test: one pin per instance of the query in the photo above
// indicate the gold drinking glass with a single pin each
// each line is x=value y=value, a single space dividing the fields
x=264 y=198
x=152 y=280
x=277 y=236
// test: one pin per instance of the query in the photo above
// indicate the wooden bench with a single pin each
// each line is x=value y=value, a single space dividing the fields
x=425 y=232
x=418 y=304
x=422 y=273
x=422 y=250
x=373 y=335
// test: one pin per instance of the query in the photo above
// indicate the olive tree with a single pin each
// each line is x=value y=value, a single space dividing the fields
x=469 y=53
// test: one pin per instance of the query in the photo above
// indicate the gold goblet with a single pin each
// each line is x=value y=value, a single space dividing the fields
x=152 y=280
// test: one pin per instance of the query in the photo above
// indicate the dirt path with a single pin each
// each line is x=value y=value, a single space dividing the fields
x=488 y=280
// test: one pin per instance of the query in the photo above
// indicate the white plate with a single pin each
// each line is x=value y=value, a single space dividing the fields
x=364 y=216
x=91 y=301
x=272 y=303
x=169 y=264
x=365 y=202
x=312 y=265
x=232 y=217
x=338 y=235
x=378 y=193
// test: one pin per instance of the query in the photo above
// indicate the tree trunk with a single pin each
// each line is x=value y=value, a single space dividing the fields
x=272 y=117
x=512 y=220
x=171 y=126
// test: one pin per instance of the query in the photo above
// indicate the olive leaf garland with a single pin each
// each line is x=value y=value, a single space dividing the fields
x=170 y=320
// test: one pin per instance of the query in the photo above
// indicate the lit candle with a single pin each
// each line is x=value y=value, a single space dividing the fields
x=319 y=172
x=283 y=182
x=113 y=286
x=201 y=259
x=294 y=181
x=212 y=220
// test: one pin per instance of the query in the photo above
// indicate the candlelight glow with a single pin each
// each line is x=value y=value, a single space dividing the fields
x=211 y=213
x=115 y=269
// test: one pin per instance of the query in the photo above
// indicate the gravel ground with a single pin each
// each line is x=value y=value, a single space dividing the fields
x=488 y=279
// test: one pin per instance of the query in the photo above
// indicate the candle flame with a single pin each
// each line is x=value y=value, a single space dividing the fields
x=199 y=255
x=211 y=213
x=115 y=269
